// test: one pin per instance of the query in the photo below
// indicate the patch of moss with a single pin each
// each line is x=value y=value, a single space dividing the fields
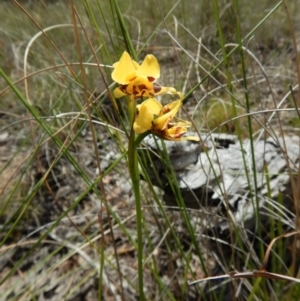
x=295 y=122
x=221 y=118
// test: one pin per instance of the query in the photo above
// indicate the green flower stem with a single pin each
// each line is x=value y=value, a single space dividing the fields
x=131 y=110
x=135 y=178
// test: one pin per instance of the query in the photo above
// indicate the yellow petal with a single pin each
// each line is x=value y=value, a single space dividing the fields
x=193 y=138
x=175 y=134
x=182 y=123
x=147 y=112
x=125 y=69
x=118 y=93
x=172 y=107
x=143 y=122
x=152 y=105
x=142 y=87
x=129 y=90
x=176 y=131
x=149 y=68
x=165 y=90
x=167 y=114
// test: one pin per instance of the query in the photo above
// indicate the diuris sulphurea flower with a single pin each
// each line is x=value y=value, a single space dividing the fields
x=159 y=119
x=138 y=80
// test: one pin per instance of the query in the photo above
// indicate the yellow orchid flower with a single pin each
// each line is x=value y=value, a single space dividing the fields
x=154 y=117
x=138 y=80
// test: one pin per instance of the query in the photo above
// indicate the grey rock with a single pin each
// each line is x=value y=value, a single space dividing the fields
x=221 y=168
